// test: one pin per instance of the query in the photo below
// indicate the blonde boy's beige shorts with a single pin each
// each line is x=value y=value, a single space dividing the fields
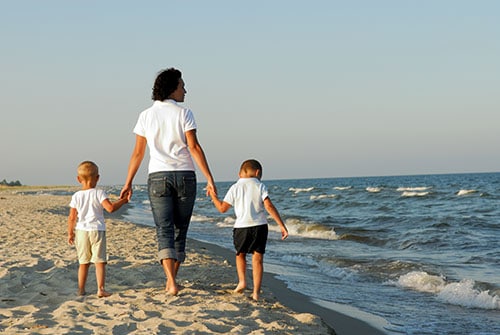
x=91 y=246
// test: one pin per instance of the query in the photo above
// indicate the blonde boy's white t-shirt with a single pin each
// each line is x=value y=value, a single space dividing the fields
x=164 y=125
x=247 y=197
x=88 y=204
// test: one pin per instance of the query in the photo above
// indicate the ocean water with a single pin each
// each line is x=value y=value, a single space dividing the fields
x=412 y=254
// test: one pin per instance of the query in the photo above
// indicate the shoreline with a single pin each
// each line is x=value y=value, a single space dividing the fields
x=341 y=323
x=38 y=277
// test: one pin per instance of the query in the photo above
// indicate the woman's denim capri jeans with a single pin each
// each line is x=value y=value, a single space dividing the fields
x=172 y=195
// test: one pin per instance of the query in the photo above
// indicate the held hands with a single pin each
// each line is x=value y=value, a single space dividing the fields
x=284 y=233
x=126 y=193
x=211 y=190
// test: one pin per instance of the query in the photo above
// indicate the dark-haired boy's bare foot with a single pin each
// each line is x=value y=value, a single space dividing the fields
x=173 y=292
x=240 y=288
x=81 y=292
x=172 y=289
x=103 y=294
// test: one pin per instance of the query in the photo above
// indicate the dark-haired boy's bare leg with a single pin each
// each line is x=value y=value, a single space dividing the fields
x=241 y=267
x=257 y=272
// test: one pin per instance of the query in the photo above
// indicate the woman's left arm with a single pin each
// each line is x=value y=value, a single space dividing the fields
x=199 y=157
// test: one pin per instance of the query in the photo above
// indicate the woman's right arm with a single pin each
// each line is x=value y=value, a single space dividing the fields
x=134 y=164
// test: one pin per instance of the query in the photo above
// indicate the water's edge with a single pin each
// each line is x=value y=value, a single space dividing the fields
x=334 y=315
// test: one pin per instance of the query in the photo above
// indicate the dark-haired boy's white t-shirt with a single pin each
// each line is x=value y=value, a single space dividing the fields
x=247 y=197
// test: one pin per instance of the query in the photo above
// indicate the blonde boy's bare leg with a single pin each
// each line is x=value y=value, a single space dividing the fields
x=170 y=269
x=83 y=271
x=241 y=267
x=257 y=272
x=100 y=275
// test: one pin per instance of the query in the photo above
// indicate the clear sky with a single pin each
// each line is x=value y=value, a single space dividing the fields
x=310 y=88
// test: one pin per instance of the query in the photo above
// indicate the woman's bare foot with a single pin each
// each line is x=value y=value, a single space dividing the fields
x=172 y=289
x=240 y=288
x=103 y=294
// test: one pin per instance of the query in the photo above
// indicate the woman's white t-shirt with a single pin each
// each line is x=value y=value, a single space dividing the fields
x=164 y=125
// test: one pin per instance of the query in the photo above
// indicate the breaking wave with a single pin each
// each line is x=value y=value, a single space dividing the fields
x=460 y=293
x=465 y=192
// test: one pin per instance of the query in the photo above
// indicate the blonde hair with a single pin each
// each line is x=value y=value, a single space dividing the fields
x=87 y=170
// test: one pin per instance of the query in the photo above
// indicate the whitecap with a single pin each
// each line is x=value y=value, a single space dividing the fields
x=465 y=192
x=307 y=230
x=227 y=223
x=298 y=190
x=200 y=218
x=374 y=189
x=464 y=294
x=413 y=189
x=460 y=293
x=139 y=188
x=322 y=196
x=422 y=281
x=414 y=194
x=342 y=188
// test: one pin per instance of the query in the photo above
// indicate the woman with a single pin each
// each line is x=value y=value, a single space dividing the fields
x=169 y=130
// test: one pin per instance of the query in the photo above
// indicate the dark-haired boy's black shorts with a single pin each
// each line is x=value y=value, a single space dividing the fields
x=248 y=240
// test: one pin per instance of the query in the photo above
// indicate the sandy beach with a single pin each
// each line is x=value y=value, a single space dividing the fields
x=38 y=283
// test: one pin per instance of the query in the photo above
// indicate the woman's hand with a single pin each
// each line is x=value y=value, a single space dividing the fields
x=126 y=192
x=211 y=189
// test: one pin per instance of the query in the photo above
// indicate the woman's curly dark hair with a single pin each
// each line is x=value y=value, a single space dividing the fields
x=166 y=83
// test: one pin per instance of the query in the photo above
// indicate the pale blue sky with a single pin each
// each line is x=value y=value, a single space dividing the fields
x=310 y=88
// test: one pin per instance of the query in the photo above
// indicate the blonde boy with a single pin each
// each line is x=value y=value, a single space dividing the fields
x=86 y=227
x=249 y=197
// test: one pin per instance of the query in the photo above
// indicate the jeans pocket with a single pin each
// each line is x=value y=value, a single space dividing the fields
x=158 y=187
x=189 y=186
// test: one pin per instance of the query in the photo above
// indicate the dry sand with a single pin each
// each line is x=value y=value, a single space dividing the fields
x=38 y=283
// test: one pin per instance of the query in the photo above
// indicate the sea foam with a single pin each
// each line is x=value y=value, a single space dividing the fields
x=460 y=293
x=464 y=294
x=322 y=196
x=422 y=281
x=298 y=190
x=308 y=230
x=413 y=189
x=465 y=192
x=414 y=194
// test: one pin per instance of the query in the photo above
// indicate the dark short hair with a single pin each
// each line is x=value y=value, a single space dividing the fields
x=251 y=164
x=166 y=83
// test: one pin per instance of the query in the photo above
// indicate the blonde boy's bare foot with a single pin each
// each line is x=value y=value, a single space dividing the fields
x=103 y=294
x=240 y=288
x=255 y=297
